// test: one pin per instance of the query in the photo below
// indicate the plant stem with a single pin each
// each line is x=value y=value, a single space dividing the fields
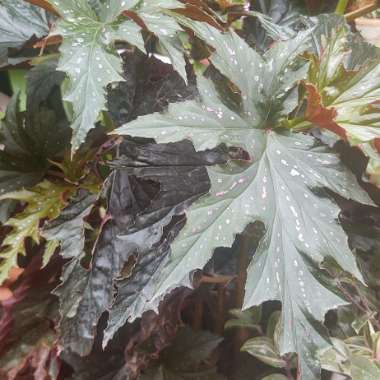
x=341 y=7
x=362 y=11
x=198 y=315
x=43 y=4
x=221 y=300
x=243 y=262
x=216 y=279
x=288 y=370
x=242 y=265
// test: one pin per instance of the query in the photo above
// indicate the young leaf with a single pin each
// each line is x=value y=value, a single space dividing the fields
x=19 y=22
x=351 y=94
x=43 y=201
x=282 y=186
x=346 y=80
x=88 y=54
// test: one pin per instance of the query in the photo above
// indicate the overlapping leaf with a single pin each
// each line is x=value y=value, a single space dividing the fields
x=30 y=139
x=133 y=230
x=68 y=230
x=89 y=57
x=184 y=359
x=282 y=186
x=354 y=357
x=19 y=22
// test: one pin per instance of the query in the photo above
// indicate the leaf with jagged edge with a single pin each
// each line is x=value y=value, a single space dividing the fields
x=283 y=186
x=44 y=201
x=132 y=231
x=179 y=171
x=68 y=231
x=110 y=253
x=89 y=57
x=19 y=22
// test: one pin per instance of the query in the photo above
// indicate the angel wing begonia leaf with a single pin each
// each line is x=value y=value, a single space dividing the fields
x=282 y=186
x=88 y=54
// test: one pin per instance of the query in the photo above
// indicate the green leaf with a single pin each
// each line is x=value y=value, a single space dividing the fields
x=263 y=349
x=44 y=201
x=89 y=57
x=267 y=96
x=336 y=358
x=352 y=358
x=19 y=22
x=364 y=369
x=282 y=186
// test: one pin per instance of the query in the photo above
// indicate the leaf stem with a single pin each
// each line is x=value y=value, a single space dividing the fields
x=288 y=369
x=216 y=279
x=341 y=7
x=43 y=4
x=362 y=11
x=221 y=300
x=198 y=315
x=242 y=265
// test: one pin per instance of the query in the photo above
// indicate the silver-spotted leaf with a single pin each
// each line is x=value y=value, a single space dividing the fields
x=19 y=22
x=89 y=56
x=282 y=186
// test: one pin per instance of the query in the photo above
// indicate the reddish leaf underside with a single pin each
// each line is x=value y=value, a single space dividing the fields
x=319 y=115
